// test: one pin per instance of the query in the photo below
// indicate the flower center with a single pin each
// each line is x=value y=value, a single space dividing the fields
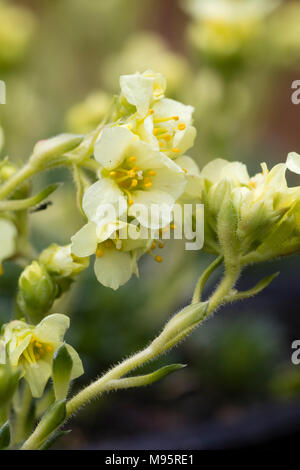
x=35 y=350
x=130 y=177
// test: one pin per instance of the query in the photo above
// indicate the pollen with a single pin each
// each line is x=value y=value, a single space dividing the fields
x=134 y=183
x=130 y=202
x=148 y=185
x=175 y=150
x=112 y=174
x=181 y=126
x=167 y=137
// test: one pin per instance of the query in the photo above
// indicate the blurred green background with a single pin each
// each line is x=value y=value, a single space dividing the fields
x=61 y=60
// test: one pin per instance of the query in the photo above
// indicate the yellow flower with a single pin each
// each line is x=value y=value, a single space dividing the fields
x=32 y=349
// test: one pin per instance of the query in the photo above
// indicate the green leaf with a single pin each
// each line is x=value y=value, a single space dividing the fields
x=4 y=435
x=62 y=368
x=143 y=380
x=22 y=204
x=51 y=420
x=254 y=291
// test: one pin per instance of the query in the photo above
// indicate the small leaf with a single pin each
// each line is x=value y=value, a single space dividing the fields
x=4 y=435
x=254 y=291
x=51 y=420
x=143 y=380
x=53 y=439
x=22 y=204
x=62 y=368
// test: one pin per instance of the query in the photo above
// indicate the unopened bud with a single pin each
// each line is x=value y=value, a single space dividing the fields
x=37 y=292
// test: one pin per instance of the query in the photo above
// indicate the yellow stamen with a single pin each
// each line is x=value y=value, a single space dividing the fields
x=132 y=159
x=153 y=246
x=158 y=259
x=181 y=126
x=134 y=183
x=167 y=137
x=49 y=348
x=252 y=184
x=172 y=226
x=112 y=173
x=152 y=173
x=158 y=120
x=160 y=245
x=148 y=185
x=130 y=202
x=175 y=150
x=108 y=244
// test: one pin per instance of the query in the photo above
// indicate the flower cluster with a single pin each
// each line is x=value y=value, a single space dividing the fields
x=262 y=211
x=141 y=157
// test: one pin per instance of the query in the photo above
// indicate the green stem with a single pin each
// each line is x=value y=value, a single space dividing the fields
x=204 y=278
x=177 y=328
x=231 y=276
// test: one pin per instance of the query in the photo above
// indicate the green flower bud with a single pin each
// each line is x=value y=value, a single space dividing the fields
x=37 y=292
x=6 y=170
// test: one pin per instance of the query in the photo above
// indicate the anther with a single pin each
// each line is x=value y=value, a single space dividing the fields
x=112 y=173
x=158 y=259
x=99 y=253
x=175 y=150
x=148 y=185
x=181 y=126
x=134 y=183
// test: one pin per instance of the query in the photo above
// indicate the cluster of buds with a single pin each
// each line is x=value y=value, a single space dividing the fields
x=141 y=164
x=252 y=219
x=45 y=280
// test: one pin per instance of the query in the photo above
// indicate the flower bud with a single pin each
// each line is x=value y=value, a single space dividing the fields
x=59 y=260
x=56 y=146
x=6 y=170
x=37 y=292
